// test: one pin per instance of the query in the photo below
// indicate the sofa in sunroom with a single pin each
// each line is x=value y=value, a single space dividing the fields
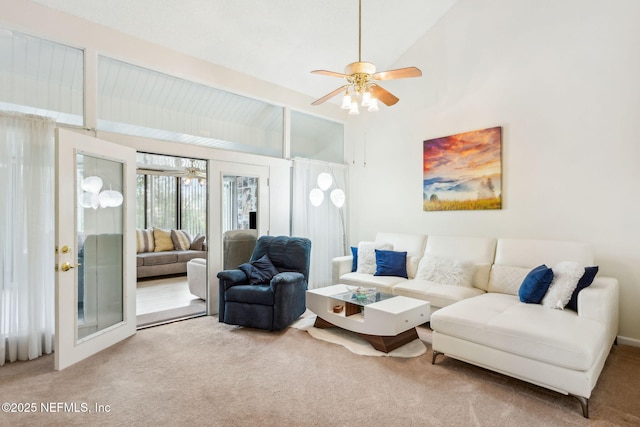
x=166 y=252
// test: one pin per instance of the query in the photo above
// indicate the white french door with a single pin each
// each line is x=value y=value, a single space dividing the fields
x=250 y=200
x=95 y=246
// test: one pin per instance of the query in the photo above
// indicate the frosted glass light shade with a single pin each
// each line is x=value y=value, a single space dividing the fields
x=346 y=102
x=89 y=200
x=366 y=99
x=110 y=199
x=316 y=196
x=337 y=196
x=353 y=110
x=324 y=181
x=92 y=184
x=373 y=105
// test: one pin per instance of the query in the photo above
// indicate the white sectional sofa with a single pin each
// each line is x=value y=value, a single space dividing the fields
x=487 y=325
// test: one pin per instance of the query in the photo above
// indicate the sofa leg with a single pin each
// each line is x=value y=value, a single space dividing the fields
x=584 y=402
x=435 y=354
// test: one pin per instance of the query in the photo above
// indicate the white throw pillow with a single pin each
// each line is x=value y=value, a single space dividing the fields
x=367 y=255
x=566 y=275
x=445 y=271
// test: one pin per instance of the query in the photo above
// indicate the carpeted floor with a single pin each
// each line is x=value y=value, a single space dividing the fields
x=202 y=372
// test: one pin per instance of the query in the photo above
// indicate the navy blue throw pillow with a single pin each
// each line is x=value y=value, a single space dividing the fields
x=354 y=253
x=585 y=280
x=259 y=271
x=391 y=263
x=535 y=285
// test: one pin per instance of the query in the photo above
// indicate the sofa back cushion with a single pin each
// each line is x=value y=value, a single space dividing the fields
x=145 y=241
x=506 y=279
x=478 y=250
x=532 y=253
x=412 y=244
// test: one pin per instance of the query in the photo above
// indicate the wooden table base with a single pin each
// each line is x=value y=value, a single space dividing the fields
x=380 y=343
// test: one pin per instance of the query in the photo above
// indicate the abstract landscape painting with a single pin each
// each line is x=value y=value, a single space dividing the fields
x=463 y=171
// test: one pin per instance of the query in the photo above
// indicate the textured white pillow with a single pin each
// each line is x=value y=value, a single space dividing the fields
x=566 y=275
x=367 y=255
x=445 y=271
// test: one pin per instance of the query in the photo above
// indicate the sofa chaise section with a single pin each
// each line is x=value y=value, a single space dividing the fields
x=562 y=350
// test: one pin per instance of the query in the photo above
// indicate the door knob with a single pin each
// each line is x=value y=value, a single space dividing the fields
x=67 y=266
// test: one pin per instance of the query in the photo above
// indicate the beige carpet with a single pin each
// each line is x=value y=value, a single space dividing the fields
x=202 y=372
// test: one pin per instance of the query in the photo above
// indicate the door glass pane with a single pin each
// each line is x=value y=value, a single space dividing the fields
x=99 y=228
x=239 y=203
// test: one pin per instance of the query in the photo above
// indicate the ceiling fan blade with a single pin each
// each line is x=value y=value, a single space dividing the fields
x=329 y=95
x=400 y=73
x=330 y=73
x=386 y=97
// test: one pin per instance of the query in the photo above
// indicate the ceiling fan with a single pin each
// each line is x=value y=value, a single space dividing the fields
x=361 y=81
x=187 y=174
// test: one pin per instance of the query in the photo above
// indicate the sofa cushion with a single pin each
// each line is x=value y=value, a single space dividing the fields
x=585 y=281
x=506 y=279
x=437 y=294
x=198 y=243
x=479 y=250
x=566 y=275
x=501 y=321
x=186 y=256
x=367 y=256
x=162 y=240
x=181 y=240
x=530 y=253
x=139 y=261
x=145 y=241
x=156 y=258
x=445 y=271
x=354 y=262
x=391 y=263
x=259 y=271
x=412 y=244
x=535 y=285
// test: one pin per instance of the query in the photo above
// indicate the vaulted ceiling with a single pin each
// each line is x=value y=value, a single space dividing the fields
x=279 y=41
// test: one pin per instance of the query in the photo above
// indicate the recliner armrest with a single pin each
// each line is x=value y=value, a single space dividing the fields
x=286 y=278
x=229 y=278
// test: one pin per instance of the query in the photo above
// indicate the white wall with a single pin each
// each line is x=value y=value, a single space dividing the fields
x=562 y=77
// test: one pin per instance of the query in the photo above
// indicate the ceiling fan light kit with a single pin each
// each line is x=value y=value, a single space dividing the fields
x=361 y=76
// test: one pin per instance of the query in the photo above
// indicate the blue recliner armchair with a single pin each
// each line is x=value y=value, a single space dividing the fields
x=257 y=295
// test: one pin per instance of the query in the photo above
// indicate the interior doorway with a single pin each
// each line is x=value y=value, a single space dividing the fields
x=171 y=238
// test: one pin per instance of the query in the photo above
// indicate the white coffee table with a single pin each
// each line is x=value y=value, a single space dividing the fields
x=386 y=321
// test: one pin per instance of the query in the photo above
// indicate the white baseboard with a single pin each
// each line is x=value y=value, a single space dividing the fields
x=628 y=341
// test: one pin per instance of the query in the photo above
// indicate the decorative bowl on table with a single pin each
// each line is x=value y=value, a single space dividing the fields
x=360 y=292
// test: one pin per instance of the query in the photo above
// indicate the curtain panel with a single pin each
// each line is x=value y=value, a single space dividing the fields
x=27 y=259
x=323 y=221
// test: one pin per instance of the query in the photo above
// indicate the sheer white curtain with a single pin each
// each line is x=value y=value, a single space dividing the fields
x=325 y=224
x=27 y=236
